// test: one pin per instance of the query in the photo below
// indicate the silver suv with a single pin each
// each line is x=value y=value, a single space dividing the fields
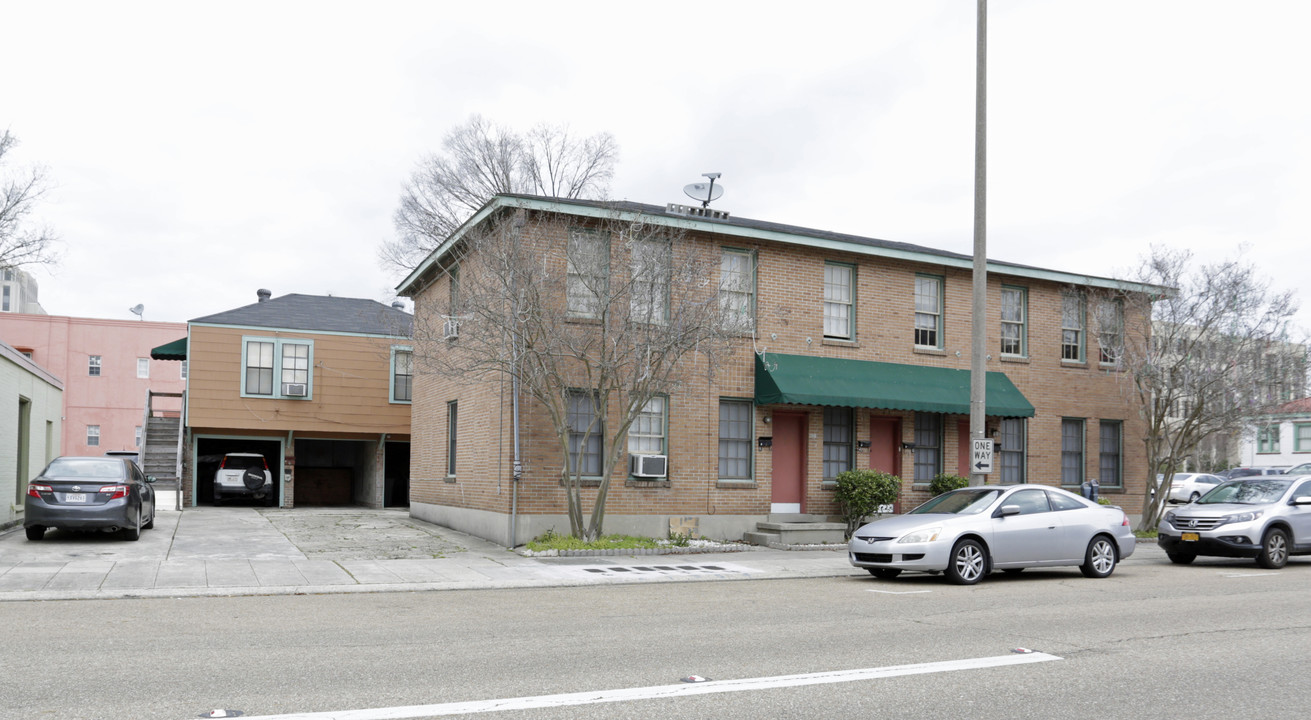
x=244 y=475
x=1267 y=517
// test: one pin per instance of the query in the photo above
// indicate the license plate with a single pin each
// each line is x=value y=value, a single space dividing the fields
x=1191 y=537
x=74 y=497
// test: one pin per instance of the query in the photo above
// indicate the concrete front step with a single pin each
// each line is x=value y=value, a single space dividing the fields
x=796 y=533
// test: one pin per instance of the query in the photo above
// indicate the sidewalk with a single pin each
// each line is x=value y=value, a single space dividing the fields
x=221 y=551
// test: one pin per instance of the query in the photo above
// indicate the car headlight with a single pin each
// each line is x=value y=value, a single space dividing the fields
x=1240 y=517
x=1169 y=516
x=921 y=536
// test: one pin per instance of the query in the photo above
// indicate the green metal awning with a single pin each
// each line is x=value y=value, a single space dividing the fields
x=805 y=380
x=176 y=350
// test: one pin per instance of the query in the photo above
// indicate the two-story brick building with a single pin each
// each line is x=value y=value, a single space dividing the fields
x=856 y=354
x=320 y=386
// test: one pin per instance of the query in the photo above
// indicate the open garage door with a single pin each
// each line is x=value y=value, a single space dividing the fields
x=210 y=452
x=336 y=472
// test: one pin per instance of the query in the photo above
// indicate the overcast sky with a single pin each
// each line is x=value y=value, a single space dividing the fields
x=203 y=150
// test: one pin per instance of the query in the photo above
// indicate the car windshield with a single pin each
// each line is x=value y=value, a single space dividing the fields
x=1247 y=492
x=959 y=502
x=85 y=468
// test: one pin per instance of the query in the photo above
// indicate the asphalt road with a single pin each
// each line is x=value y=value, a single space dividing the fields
x=1218 y=639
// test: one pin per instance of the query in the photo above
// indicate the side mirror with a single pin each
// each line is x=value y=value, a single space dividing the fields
x=1005 y=510
x=151 y=478
x=1302 y=500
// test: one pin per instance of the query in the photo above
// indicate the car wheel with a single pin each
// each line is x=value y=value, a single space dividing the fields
x=149 y=523
x=884 y=573
x=1099 y=559
x=1181 y=558
x=35 y=532
x=134 y=532
x=1274 y=550
x=967 y=564
x=253 y=478
x=271 y=499
x=1194 y=497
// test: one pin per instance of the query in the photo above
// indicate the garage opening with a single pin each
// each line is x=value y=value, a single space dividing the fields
x=335 y=472
x=209 y=454
x=397 y=490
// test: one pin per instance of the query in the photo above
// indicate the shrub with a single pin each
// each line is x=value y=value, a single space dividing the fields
x=946 y=482
x=860 y=493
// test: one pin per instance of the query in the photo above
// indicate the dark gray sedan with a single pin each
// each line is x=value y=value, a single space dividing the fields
x=90 y=493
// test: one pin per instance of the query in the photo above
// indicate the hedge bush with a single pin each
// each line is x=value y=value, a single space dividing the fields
x=946 y=482
x=859 y=494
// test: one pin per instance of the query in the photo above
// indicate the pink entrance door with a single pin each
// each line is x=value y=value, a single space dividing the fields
x=787 y=483
x=885 y=444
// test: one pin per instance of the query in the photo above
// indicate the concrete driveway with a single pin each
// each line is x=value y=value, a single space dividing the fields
x=232 y=550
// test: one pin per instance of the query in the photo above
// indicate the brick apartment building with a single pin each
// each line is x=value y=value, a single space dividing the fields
x=856 y=354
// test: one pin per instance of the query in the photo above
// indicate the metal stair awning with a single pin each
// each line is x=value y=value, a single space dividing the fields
x=839 y=382
x=176 y=350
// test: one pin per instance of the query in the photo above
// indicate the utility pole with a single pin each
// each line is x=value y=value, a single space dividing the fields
x=979 y=309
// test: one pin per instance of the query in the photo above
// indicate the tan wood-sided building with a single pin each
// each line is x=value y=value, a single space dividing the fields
x=320 y=386
x=856 y=354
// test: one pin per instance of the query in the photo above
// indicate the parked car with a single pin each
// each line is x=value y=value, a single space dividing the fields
x=244 y=475
x=1240 y=472
x=1265 y=518
x=1303 y=469
x=969 y=532
x=132 y=455
x=90 y=493
x=1189 y=487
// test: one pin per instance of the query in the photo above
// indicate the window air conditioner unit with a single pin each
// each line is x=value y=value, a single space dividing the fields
x=650 y=466
x=294 y=389
x=451 y=330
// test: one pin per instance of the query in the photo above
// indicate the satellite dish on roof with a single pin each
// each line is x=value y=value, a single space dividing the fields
x=137 y=310
x=705 y=192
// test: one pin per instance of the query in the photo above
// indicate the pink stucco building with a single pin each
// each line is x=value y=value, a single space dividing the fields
x=106 y=369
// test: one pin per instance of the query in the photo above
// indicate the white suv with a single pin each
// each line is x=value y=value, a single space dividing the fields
x=1267 y=517
x=244 y=475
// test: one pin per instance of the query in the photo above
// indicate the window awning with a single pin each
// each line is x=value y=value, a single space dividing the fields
x=804 y=380
x=176 y=350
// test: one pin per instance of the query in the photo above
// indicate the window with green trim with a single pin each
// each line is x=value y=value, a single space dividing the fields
x=839 y=301
x=277 y=368
x=928 y=311
x=402 y=374
x=1072 y=324
x=1014 y=320
x=737 y=289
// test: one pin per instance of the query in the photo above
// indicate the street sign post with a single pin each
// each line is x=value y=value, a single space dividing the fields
x=981 y=456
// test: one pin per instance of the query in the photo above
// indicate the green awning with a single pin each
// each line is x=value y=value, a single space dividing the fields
x=804 y=380
x=176 y=350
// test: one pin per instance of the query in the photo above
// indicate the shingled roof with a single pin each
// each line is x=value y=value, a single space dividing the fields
x=317 y=313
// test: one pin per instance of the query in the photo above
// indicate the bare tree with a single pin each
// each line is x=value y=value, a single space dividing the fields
x=480 y=159
x=595 y=323
x=20 y=243
x=1204 y=358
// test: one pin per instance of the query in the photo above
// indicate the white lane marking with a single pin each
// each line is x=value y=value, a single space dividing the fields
x=902 y=592
x=664 y=691
x=1247 y=575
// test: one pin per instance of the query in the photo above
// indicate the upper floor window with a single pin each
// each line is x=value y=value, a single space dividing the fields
x=93 y=366
x=1072 y=327
x=1014 y=318
x=6 y=303
x=92 y=435
x=650 y=284
x=737 y=289
x=928 y=311
x=183 y=370
x=588 y=261
x=402 y=374
x=839 y=301
x=452 y=426
x=1110 y=331
x=287 y=361
x=143 y=367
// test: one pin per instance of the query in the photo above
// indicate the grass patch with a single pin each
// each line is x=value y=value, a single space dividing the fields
x=552 y=540
x=1145 y=534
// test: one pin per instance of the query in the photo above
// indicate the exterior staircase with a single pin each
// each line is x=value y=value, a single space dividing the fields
x=161 y=444
x=796 y=529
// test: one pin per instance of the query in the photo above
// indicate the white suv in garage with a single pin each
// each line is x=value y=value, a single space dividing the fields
x=244 y=475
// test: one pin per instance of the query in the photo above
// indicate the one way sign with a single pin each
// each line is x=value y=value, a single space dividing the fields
x=981 y=457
